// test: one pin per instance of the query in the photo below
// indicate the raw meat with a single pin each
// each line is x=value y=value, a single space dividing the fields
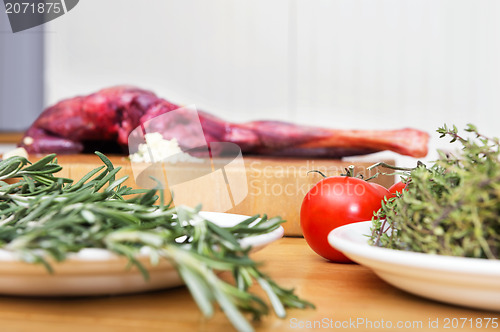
x=106 y=118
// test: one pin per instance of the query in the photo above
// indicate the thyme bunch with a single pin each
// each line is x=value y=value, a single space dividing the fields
x=450 y=208
x=43 y=218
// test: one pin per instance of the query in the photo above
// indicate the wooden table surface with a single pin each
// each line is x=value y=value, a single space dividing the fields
x=11 y=137
x=345 y=294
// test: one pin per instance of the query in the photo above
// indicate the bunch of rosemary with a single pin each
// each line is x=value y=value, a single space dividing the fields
x=450 y=208
x=44 y=217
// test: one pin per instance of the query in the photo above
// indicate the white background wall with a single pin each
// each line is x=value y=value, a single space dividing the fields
x=337 y=63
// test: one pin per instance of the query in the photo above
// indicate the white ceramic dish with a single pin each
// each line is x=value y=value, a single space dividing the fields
x=100 y=272
x=462 y=281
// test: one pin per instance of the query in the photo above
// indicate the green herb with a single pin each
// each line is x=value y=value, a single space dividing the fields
x=45 y=217
x=451 y=207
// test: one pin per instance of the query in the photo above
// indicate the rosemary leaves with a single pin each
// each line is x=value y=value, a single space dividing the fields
x=43 y=216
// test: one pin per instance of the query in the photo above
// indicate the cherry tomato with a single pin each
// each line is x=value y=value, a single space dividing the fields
x=397 y=187
x=333 y=202
x=382 y=190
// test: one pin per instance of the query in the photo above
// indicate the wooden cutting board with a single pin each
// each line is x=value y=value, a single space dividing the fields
x=272 y=186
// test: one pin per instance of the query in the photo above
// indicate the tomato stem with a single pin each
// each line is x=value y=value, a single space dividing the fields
x=405 y=170
x=316 y=171
x=408 y=169
x=349 y=172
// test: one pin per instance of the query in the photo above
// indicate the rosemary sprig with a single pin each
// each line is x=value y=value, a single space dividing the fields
x=451 y=207
x=44 y=217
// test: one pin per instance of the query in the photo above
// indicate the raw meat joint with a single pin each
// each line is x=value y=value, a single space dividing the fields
x=104 y=120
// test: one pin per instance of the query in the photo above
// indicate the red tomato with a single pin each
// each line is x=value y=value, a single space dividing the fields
x=397 y=187
x=333 y=202
x=382 y=190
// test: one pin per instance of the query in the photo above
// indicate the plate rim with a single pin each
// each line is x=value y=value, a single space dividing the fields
x=110 y=275
x=338 y=239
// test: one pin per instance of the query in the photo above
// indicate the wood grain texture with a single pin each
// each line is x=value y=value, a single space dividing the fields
x=10 y=137
x=341 y=292
x=276 y=186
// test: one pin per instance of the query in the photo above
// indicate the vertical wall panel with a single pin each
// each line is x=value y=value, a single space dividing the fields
x=21 y=76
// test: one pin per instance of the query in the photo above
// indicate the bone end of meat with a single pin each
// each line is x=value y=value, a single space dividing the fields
x=412 y=142
x=408 y=141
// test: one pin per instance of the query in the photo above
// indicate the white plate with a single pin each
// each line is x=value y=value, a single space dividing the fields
x=462 y=281
x=100 y=272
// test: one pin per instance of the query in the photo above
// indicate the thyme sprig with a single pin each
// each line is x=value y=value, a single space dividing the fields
x=451 y=207
x=44 y=218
